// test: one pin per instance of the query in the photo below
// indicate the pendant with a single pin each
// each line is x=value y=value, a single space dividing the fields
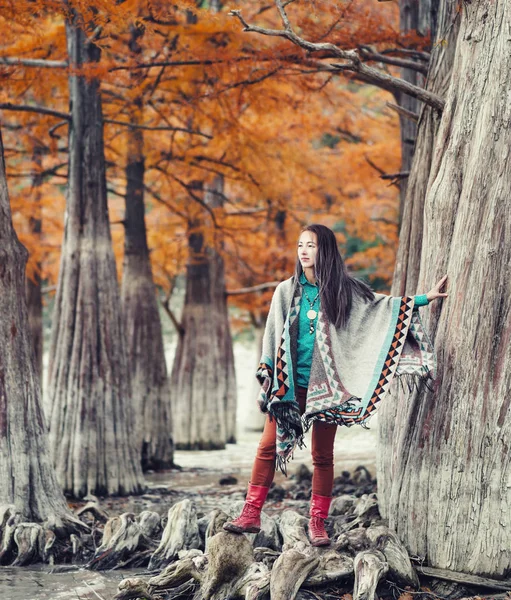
x=311 y=314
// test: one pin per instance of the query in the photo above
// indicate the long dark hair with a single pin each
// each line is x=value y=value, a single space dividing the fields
x=336 y=286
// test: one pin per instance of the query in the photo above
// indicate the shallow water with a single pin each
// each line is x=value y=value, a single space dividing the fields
x=199 y=480
x=40 y=583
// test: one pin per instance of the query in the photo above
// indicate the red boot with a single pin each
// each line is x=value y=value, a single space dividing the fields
x=320 y=505
x=250 y=519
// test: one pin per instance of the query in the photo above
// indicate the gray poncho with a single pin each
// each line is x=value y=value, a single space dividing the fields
x=352 y=367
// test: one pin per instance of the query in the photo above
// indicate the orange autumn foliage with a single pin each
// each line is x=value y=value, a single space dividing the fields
x=215 y=100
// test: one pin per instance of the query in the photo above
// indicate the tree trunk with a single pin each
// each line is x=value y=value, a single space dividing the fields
x=414 y=15
x=146 y=358
x=253 y=419
x=203 y=378
x=33 y=283
x=27 y=475
x=91 y=422
x=445 y=487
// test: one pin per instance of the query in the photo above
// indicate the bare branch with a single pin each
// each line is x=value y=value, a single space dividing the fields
x=425 y=56
x=35 y=108
x=354 y=62
x=149 y=128
x=369 y=53
x=39 y=63
x=254 y=288
x=54 y=129
x=408 y=114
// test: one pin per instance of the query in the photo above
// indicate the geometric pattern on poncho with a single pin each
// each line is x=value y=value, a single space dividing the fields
x=332 y=390
x=422 y=357
x=391 y=360
x=282 y=371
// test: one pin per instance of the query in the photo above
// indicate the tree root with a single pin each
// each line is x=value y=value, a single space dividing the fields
x=181 y=533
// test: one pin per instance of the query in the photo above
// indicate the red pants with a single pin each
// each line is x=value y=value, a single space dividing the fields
x=323 y=435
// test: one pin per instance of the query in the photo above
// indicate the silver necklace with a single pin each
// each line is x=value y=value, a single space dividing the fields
x=311 y=313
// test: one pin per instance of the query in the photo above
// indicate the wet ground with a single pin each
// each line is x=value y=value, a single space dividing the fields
x=198 y=480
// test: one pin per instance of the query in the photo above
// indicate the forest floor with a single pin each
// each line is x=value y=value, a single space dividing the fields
x=199 y=480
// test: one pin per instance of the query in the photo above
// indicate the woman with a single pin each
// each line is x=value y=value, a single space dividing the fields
x=331 y=348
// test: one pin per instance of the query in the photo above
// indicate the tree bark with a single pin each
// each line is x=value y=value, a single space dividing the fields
x=203 y=379
x=414 y=15
x=444 y=483
x=146 y=357
x=91 y=423
x=33 y=284
x=28 y=478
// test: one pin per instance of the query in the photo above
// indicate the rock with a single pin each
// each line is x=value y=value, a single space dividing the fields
x=228 y=480
x=342 y=505
x=362 y=475
x=303 y=474
x=276 y=493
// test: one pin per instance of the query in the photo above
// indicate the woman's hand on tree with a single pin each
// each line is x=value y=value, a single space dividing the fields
x=436 y=292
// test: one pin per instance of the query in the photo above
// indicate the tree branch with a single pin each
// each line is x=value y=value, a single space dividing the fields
x=254 y=288
x=166 y=306
x=39 y=63
x=354 y=62
x=149 y=128
x=35 y=108
x=369 y=54
x=408 y=114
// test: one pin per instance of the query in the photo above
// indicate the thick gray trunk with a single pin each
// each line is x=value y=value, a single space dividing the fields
x=203 y=379
x=146 y=358
x=253 y=418
x=91 y=423
x=33 y=284
x=446 y=485
x=27 y=475
x=414 y=17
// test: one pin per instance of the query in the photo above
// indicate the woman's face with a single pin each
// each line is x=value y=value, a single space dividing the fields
x=307 y=249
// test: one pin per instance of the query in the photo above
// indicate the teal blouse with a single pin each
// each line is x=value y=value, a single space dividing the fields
x=305 y=344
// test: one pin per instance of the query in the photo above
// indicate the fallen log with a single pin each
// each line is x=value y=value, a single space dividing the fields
x=466 y=579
